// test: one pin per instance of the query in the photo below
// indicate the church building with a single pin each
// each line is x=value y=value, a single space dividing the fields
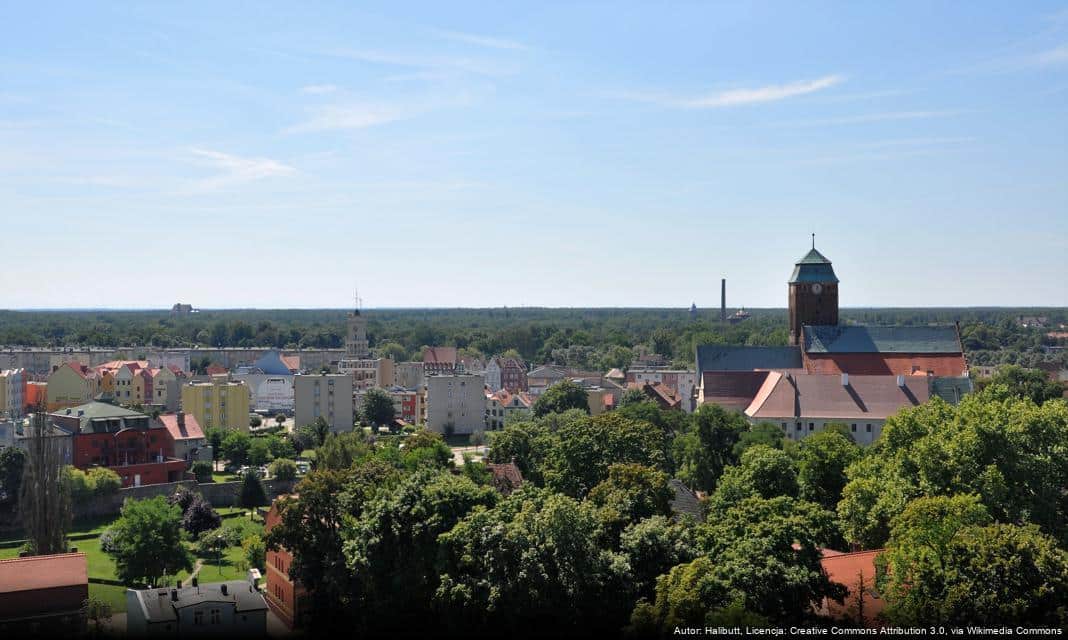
x=821 y=348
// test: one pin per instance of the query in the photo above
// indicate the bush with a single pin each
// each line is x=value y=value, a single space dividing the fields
x=255 y=552
x=107 y=541
x=255 y=421
x=80 y=489
x=199 y=516
x=103 y=481
x=182 y=497
x=202 y=470
x=283 y=469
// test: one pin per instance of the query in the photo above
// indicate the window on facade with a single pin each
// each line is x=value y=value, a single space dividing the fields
x=853 y=427
x=198 y=617
x=811 y=426
x=868 y=428
x=215 y=616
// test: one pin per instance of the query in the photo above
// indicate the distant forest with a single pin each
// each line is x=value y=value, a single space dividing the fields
x=584 y=338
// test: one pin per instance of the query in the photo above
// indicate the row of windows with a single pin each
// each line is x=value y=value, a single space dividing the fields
x=812 y=427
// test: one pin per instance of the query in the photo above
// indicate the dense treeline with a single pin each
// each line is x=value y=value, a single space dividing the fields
x=968 y=502
x=583 y=338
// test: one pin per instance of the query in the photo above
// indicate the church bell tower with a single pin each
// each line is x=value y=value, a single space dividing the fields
x=813 y=293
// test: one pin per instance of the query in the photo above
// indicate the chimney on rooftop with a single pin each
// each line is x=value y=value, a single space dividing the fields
x=181 y=417
x=845 y=379
x=222 y=588
x=723 y=300
x=174 y=595
x=901 y=381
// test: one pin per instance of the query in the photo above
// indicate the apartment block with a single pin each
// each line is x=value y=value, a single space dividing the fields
x=324 y=395
x=219 y=402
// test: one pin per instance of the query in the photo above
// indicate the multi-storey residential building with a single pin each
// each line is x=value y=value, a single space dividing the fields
x=71 y=384
x=166 y=390
x=220 y=402
x=12 y=393
x=408 y=375
x=324 y=395
x=368 y=372
x=506 y=373
x=138 y=449
x=501 y=404
x=235 y=608
x=455 y=403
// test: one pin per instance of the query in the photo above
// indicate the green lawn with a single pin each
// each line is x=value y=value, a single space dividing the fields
x=116 y=596
x=102 y=566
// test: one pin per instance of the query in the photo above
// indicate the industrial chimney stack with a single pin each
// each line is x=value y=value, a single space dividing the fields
x=723 y=300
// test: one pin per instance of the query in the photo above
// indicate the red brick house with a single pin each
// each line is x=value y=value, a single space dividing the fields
x=43 y=595
x=127 y=442
x=286 y=597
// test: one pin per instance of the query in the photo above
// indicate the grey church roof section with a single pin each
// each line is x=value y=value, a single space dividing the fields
x=716 y=357
x=855 y=339
x=813 y=267
x=951 y=389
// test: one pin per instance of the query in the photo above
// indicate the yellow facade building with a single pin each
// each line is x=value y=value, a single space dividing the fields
x=221 y=402
x=70 y=385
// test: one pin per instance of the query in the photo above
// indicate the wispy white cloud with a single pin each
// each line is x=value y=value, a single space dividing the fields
x=233 y=169
x=350 y=116
x=870 y=117
x=319 y=89
x=474 y=66
x=481 y=40
x=742 y=96
x=1057 y=55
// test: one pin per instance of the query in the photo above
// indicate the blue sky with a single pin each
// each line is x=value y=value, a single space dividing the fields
x=557 y=154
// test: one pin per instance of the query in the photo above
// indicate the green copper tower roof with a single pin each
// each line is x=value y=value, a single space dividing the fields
x=813 y=267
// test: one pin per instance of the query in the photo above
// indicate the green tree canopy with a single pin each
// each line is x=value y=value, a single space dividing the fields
x=1027 y=383
x=1002 y=449
x=147 y=542
x=560 y=397
x=235 y=446
x=822 y=461
x=630 y=493
x=705 y=450
x=762 y=472
x=377 y=408
x=531 y=564
x=968 y=573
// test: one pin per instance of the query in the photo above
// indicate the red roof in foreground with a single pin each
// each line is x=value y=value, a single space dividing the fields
x=215 y=369
x=851 y=570
x=43 y=572
x=191 y=429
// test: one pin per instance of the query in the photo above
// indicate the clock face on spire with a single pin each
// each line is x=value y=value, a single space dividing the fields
x=817 y=288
